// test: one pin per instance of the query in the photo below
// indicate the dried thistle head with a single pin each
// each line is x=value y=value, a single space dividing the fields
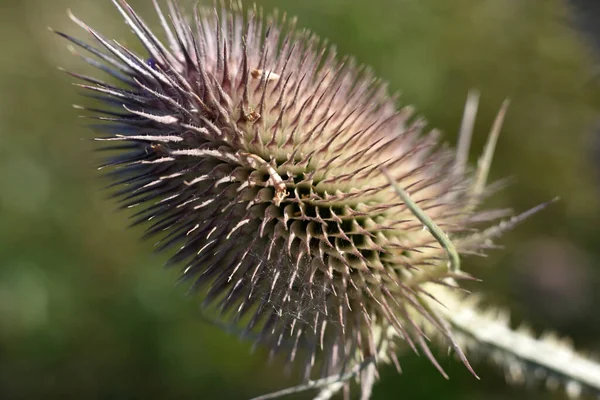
x=302 y=203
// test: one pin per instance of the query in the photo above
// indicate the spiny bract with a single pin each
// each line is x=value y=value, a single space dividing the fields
x=262 y=158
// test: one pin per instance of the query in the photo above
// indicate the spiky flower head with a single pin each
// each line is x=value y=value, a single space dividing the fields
x=258 y=154
x=301 y=202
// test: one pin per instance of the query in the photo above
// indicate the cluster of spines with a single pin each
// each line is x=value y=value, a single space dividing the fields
x=206 y=141
x=264 y=157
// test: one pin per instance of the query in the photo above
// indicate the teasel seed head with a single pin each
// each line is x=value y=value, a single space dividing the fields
x=289 y=184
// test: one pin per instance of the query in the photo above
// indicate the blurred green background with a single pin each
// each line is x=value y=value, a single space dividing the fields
x=87 y=311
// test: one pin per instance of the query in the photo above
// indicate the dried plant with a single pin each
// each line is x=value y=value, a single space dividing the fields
x=320 y=220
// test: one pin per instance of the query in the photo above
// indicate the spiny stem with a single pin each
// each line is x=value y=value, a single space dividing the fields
x=329 y=391
x=319 y=383
x=524 y=356
x=434 y=229
x=367 y=380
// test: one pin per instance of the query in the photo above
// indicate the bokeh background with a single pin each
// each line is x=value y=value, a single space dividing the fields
x=88 y=312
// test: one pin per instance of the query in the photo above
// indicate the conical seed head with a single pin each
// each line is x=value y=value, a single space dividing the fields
x=257 y=153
